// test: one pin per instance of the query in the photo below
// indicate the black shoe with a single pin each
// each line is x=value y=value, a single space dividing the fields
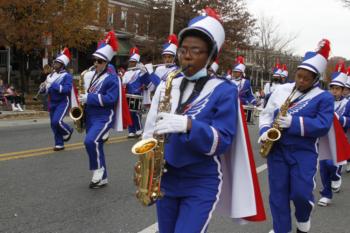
x=66 y=138
x=58 y=148
x=299 y=231
x=99 y=184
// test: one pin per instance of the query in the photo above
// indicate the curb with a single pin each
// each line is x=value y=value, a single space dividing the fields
x=23 y=115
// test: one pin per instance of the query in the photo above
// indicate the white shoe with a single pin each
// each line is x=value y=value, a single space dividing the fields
x=105 y=137
x=324 y=201
x=14 y=108
x=97 y=175
x=139 y=132
x=131 y=135
x=99 y=184
x=271 y=231
x=19 y=108
x=347 y=168
x=336 y=186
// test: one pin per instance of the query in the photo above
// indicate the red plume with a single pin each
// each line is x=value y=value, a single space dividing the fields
x=284 y=67
x=172 y=39
x=134 y=50
x=240 y=60
x=324 y=47
x=112 y=40
x=67 y=53
x=212 y=13
x=348 y=71
x=340 y=66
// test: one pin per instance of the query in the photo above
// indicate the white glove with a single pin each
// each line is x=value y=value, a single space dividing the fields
x=171 y=123
x=285 y=121
x=83 y=98
x=149 y=68
x=263 y=137
x=142 y=68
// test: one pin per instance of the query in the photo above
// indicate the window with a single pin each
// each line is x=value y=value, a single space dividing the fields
x=136 y=23
x=124 y=17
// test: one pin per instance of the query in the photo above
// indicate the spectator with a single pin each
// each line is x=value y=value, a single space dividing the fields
x=15 y=98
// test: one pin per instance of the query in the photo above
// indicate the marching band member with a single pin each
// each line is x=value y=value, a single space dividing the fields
x=330 y=172
x=201 y=126
x=346 y=94
x=168 y=59
x=135 y=79
x=275 y=82
x=284 y=74
x=58 y=86
x=102 y=108
x=292 y=162
x=244 y=88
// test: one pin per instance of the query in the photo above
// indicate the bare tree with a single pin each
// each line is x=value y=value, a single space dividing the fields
x=346 y=3
x=272 y=43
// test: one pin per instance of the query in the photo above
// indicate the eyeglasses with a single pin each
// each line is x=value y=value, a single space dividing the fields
x=193 y=51
x=99 y=61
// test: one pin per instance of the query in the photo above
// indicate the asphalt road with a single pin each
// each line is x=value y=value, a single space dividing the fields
x=48 y=192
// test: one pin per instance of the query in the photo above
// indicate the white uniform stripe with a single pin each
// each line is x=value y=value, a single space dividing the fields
x=344 y=119
x=60 y=88
x=217 y=195
x=100 y=100
x=302 y=130
x=62 y=116
x=100 y=135
x=215 y=141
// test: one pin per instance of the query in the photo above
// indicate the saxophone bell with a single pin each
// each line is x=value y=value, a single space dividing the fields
x=273 y=134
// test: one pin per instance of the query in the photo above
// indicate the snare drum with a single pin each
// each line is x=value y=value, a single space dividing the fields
x=134 y=102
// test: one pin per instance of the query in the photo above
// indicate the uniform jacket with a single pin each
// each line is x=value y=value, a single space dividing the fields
x=59 y=86
x=103 y=94
x=312 y=116
x=245 y=91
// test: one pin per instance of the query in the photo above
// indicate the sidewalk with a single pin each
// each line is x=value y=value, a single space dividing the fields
x=27 y=114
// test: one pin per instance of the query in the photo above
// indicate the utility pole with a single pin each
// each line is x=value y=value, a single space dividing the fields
x=172 y=17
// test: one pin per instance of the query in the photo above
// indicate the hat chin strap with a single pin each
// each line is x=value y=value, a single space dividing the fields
x=211 y=54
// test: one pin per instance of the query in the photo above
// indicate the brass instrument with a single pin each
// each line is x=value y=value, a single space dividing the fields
x=41 y=89
x=155 y=65
x=274 y=133
x=150 y=166
x=77 y=113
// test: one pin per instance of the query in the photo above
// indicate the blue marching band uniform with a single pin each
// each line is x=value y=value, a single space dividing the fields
x=136 y=79
x=102 y=108
x=193 y=181
x=58 y=86
x=245 y=92
x=330 y=172
x=292 y=162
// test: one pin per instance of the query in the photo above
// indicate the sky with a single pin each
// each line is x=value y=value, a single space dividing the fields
x=311 y=20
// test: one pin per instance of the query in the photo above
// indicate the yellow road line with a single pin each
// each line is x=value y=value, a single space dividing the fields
x=71 y=147
x=50 y=148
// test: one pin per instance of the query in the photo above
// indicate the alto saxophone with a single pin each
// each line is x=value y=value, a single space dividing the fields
x=150 y=166
x=274 y=133
x=77 y=113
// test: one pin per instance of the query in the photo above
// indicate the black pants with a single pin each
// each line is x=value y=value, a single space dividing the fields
x=16 y=99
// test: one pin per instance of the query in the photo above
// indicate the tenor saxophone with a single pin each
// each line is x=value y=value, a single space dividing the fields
x=77 y=113
x=150 y=166
x=274 y=133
